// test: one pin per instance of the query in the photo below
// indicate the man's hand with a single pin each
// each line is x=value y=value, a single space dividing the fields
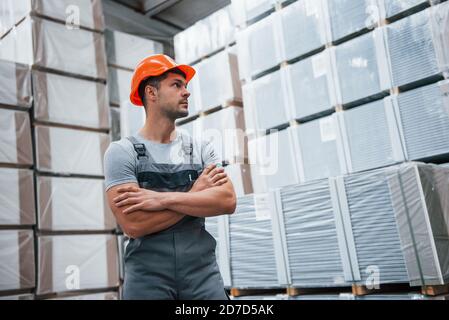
x=138 y=199
x=210 y=177
x=147 y=200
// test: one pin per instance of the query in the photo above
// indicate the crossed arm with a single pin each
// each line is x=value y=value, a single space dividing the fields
x=140 y=212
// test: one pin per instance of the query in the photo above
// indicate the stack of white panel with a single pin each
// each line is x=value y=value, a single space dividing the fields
x=311 y=86
x=70 y=101
x=226 y=129
x=259 y=47
x=273 y=161
x=15 y=84
x=119 y=85
x=370 y=136
x=247 y=11
x=132 y=118
x=391 y=8
x=266 y=102
x=313 y=235
x=75 y=13
x=423 y=120
x=60 y=208
x=218 y=79
x=372 y=234
x=15 y=138
x=318 y=148
x=419 y=196
x=126 y=51
x=361 y=67
x=68 y=151
x=217 y=31
x=417 y=45
x=76 y=262
x=256 y=254
x=240 y=175
x=346 y=17
x=303 y=28
x=17 y=267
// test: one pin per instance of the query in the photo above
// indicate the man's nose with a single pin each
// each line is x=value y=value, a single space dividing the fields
x=186 y=93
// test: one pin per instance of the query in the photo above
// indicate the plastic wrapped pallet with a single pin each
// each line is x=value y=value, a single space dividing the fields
x=370 y=136
x=423 y=120
x=77 y=262
x=311 y=86
x=248 y=10
x=313 y=236
x=417 y=45
x=318 y=148
x=18 y=297
x=346 y=17
x=391 y=8
x=372 y=234
x=132 y=118
x=256 y=254
x=48 y=44
x=217 y=31
x=68 y=151
x=226 y=129
x=303 y=28
x=15 y=138
x=219 y=82
x=15 y=84
x=114 y=114
x=272 y=158
x=60 y=208
x=16 y=260
x=126 y=50
x=75 y=13
x=259 y=47
x=217 y=229
x=240 y=175
x=267 y=102
x=119 y=85
x=361 y=67
x=16 y=197
x=91 y=296
x=54 y=101
x=419 y=195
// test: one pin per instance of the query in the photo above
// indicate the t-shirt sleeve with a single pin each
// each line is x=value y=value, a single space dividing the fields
x=119 y=166
x=209 y=153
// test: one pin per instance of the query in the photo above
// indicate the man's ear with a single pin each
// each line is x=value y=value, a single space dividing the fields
x=151 y=93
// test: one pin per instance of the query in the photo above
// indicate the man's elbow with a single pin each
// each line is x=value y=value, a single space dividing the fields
x=230 y=204
x=132 y=230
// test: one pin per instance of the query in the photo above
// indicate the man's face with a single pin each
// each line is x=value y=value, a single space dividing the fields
x=173 y=96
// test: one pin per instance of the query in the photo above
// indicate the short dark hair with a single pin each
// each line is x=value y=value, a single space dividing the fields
x=156 y=82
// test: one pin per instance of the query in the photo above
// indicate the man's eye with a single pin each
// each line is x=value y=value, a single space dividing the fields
x=177 y=85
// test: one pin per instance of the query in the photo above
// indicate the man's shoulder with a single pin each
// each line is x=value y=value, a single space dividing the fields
x=122 y=146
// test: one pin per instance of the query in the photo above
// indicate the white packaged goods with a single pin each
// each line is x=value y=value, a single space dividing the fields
x=126 y=50
x=259 y=47
x=15 y=137
x=361 y=67
x=68 y=151
x=76 y=262
x=60 y=208
x=74 y=13
x=71 y=101
x=240 y=176
x=17 y=268
x=48 y=44
x=371 y=136
x=248 y=10
x=16 y=197
x=119 y=85
x=132 y=118
x=15 y=84
x=418 y=46
x=219 y=82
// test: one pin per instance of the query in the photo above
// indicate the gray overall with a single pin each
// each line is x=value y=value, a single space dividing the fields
x=179 y=262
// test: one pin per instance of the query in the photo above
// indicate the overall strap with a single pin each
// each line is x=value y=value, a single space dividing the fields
x=142 y=153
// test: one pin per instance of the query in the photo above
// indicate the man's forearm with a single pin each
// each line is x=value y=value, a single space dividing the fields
x=140 y=223
x=206 y=203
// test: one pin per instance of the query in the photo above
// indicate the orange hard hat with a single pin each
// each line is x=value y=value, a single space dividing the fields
x=152 y=66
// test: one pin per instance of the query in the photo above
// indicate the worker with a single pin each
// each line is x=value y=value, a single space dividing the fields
x=161 y=183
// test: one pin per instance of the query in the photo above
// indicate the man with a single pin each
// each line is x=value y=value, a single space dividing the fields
x=160 y=185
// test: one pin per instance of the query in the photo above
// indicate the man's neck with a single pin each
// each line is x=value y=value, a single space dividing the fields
x=158 y=129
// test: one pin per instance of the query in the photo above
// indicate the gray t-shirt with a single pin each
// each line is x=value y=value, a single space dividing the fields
x=120 y=160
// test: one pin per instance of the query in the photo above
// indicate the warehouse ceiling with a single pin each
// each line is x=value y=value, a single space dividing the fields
x=178 y=14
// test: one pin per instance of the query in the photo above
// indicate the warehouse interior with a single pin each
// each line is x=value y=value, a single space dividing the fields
x=332 y=117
